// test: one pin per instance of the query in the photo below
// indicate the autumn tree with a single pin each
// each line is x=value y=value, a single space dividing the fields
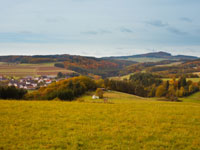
x=99 y=92
x=161 y=91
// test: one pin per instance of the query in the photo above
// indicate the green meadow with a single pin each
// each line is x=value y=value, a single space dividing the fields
x=123 y=121
x=193 y=98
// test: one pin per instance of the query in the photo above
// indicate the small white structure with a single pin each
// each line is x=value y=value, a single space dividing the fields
x=34 y=85
x=95 y=97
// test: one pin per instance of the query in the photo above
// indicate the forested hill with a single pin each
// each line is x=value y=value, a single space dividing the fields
x=165 y=63
x=38 y=58
x=155 y=56
x=80 y=64
x=54 y=58
x=166 y=68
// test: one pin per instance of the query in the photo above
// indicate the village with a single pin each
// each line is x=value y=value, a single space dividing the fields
x=30 y=82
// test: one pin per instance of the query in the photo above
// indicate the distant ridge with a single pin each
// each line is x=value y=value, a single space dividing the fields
x=154 y=55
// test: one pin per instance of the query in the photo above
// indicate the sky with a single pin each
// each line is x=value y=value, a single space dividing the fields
x=99 y=27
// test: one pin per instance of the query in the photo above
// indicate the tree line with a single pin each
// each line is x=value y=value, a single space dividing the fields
x=67 y=89
x=11 y=92
x=141 y=84
x=148 y=85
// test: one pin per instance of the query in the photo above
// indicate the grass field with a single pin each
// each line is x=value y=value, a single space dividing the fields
x=193 y=98
x=192 y=79
x=125 y=122
x=20 y=70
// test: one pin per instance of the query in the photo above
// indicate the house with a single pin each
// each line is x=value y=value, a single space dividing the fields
x=34 y=85
x=28 y=82
x=51 y=76
x=21 y=85
x=2 y=78
x=13 y=83
x=40 y=80
x=48 y=81
x=29 y=87
x=22 y=80
x=36 y=79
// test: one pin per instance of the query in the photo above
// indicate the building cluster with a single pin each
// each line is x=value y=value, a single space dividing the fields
x=29 y=82
x=32 y=83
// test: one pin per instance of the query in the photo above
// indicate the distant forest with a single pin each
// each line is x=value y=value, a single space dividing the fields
x=113 y=66
x=80 y=64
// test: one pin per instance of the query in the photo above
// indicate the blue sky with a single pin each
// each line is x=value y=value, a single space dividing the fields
x=99 y=27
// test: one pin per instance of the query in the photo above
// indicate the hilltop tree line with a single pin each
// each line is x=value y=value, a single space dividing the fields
x=148 y=85
x=141 y=84
x=177 y=88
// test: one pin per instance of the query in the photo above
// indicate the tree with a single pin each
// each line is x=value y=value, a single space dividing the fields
x=152 y=91
x=171 y=92
x=182 y=82
x=60 y=75
x=12 y=92
x=166 y=85
x=140 y=91
x=161 y=91
x=60 y=65
x=145 y=79
x=99 y=92
x=171 y=95
x=193 y=88
x=100 y=83
x=181 y=92
x=66 y=94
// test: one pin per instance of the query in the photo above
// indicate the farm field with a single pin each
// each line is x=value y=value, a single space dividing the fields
x=124 y=122
x=20 y=70
x=122 y=77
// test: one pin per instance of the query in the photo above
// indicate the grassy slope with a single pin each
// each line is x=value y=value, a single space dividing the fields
x=128 y=123
x=192 y=79
x=193 y=98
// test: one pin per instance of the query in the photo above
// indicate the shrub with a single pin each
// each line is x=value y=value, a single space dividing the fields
x=60 y=65
x=99 y=92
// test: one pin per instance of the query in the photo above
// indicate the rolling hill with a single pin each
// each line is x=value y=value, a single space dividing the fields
x=111 y=66
x=154 y=57
x=81 y=64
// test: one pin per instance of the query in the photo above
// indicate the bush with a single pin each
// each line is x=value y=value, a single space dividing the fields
x=99 y=92
x=60 y=65
x=66 y=95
